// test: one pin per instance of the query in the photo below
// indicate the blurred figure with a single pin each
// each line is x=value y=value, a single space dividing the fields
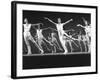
x=54 y=42
x=41 y=39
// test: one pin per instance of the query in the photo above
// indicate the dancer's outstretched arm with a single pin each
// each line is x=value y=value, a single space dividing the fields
x=68 y=21
x=69 y=30
x=49 y=28
x=53 y=29
x=47 y=41
x=81 y=25
x=36 y=24
x=71 y=39
x=50 y=20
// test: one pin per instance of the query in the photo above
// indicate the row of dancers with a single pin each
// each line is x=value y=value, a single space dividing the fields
x=63 y=37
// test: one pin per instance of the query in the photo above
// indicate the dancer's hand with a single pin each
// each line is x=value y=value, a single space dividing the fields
x=78 y=25
x=45 y=18
x=71 y=19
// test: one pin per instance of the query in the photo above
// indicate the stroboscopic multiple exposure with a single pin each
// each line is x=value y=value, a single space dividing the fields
x=56 y=33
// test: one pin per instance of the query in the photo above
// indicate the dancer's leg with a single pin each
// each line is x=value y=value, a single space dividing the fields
x=27 y=44
x=54 y=51
x=75 y=43
x=89 y=44
x=80 y=45
x=89 y=50
x=63 y=42
x=40 y=45
x=85 y=46
x=45 y=44
x=32 y=39
x=58 y=46
x=71 y=46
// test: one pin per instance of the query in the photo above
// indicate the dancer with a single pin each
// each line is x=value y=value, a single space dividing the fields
x=54 y=41
x=79 y=40
x=70 y=41
x=87 y=36
x=40 y=39
x=61 y=32
x=84 y=39
x=28 y=36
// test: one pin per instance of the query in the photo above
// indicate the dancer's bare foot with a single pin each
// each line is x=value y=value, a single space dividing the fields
x=42 y=51
x=29 y=53
x=65 y=52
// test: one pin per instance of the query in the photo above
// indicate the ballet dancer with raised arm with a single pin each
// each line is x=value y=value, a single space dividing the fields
x=87 y=29
x=61 y=32
x=41 y=39
x=28 y=36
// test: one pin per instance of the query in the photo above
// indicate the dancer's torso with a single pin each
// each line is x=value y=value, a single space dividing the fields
x=39 y=34
x=27 y=29
x=88 y=30
x=61 y=33
x=60 y=29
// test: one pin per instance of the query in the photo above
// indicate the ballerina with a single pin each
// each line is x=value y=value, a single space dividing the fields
x=61 y=32
x=87 y=36
x=54 y=42
x=28 y=36
x=70 y=40
x=40 y=39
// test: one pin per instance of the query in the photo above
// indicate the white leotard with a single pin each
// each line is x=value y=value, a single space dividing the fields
x=27 y=29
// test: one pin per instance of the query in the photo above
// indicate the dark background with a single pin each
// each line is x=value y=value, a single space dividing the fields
x=33 y=62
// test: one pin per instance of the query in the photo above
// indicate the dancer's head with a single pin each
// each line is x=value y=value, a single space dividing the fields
x=86 y=23
x=59 y=20
x=25 y=20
